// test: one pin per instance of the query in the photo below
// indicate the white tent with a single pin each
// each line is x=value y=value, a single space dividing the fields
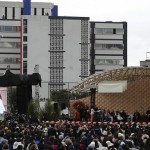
x=112 y=86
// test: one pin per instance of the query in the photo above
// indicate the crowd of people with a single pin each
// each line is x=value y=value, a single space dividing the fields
x=23 y=132
x=83 y=113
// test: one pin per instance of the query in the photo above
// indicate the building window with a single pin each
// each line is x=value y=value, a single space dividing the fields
x=9 y=45
x=25 y=50
x=120 y=31
x=9 y=29
x=21 y=11
x=108 y=46
x=25 y=38
x=42 y=11
x=13 y=13
x=24 y=67
x=24 y=25
x=5 y=12
x=5 y=60
x=108 y=62
x=103 y=31
x=35 y=11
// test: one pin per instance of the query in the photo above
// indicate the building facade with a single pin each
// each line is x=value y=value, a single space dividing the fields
x=69 y=51
x=22 y=26
x=12 y=36
x=65 y=49
x=108 y=46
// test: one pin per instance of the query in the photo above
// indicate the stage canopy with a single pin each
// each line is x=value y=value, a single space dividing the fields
x=125 y=73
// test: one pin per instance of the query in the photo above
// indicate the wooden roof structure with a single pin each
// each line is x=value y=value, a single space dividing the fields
x=125 y=73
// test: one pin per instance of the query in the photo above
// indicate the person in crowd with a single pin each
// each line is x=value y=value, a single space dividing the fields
x=18 y=132
x=92 y=114
x=65 y=114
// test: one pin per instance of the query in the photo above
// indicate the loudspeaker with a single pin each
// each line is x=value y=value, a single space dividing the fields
x=63 y=106
x=55 y=106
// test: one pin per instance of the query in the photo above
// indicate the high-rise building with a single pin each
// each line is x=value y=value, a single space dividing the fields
x=65 y=49
x=60 y=46
x=108 y=49
x=69 y=51
x=24 y=39
x=12 y=36
x=32 y=34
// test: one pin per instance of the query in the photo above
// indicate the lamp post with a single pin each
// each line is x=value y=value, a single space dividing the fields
x=93 y=93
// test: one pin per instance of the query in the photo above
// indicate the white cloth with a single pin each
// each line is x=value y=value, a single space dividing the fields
x=92 y=111
x=2 y=108
x=65 y=111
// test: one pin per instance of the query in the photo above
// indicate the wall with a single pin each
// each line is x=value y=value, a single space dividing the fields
x=38 y=47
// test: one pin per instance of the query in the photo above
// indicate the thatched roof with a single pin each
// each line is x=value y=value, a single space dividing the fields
x=126 y=73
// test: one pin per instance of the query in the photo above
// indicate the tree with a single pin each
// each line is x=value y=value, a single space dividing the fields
x=34 y=108
x=48 y=110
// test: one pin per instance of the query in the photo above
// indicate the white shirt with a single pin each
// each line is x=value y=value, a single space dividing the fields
x=65 y=111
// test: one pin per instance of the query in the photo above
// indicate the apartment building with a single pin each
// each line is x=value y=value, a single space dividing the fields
x=108 y=46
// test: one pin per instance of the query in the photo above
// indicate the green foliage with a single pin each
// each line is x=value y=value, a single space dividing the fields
x=78 y=95
x=12 y=99
x=48 y=110
x=47 y=113
x=65 y=95
x=62 y=95
x=56 y=113
x=34 y=108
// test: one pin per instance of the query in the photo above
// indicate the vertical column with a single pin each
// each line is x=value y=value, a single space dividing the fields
x=93 y=93
x=26 y=7
x=92 y=49
x=36 y=70
x=55 y=10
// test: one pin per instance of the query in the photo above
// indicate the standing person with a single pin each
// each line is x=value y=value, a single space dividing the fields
x=32 y=145
x=65 y=114
x=77 y=115
x=92 y=114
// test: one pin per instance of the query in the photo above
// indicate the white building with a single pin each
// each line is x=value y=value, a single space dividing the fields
x=108 y=48
x=24 y=39
x=37 y=36
x=65 y=49
x=69 y=51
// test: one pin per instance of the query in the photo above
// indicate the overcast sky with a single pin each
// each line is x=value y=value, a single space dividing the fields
x=135 y=12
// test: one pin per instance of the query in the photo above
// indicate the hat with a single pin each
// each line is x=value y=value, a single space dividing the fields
x=122 y=143
x=104 y=132
x=16 y=144
x=145 y=137
x=121 y=135
x=6 y=128
x=68 y=141
x=60 y=136
x=45 y=130
x=92 y=144
x=148 y=124
x=109 y=144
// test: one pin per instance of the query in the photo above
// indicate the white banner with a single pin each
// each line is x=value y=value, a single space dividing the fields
x=112 y=86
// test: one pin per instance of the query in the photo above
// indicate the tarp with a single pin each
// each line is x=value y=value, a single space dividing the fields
x=10 y=79
x=112 y=86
